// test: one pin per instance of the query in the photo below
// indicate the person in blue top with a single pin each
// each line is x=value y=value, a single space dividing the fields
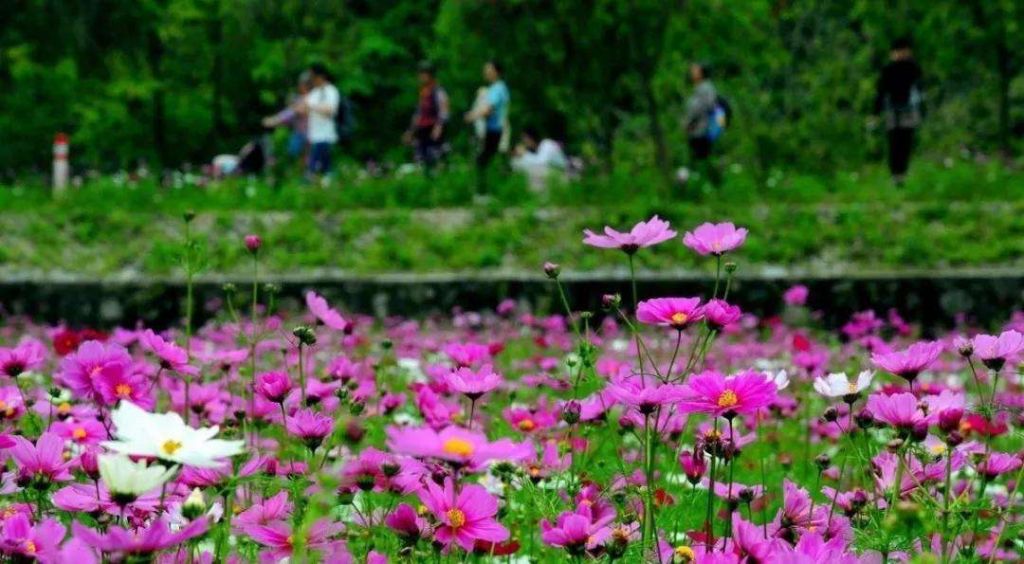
x=493 y=110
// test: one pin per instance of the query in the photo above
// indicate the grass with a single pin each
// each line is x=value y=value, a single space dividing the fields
x=948 y=215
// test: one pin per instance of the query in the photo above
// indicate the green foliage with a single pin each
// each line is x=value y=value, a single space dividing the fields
x=181 y=80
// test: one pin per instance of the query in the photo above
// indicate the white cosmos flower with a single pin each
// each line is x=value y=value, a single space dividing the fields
x=167 y=437
x=780 y=379
x=126 y=478
x=838 y=384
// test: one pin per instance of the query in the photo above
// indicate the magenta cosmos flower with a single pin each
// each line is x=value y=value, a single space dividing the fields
x=172 y=357
x=464 y=517
x=902 y=411
x=455 y=445
x=28 y=355
x=714 y=394
x=310 y=426
x=908 y=363
x=273 y=386
x=715 y=238
x=677 y=313
x=796 y=296
x=577 y=531
x=473 y=383
x=645 y=394
x=154 y=538
x=720 y=313
x=253 y=243
x=995 y=351
x=643 y=234
x=324 y=313
x=42 y=462
x=278 y=538
x=81 y=369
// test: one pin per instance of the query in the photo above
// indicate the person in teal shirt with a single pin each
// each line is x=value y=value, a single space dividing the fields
x=494 y=112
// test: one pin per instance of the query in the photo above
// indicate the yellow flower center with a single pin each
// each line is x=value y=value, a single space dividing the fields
x=728 y=399
x=527 y=425
x=171 y=446
x=851 y=388
x=3 y=405
x=685 y=553
x=64 y=408
x=458 y=447
x=123 y=391
x=456 y=518
x=79 y=433
x=938 y=448
x=290 y=540
x=679 y=318
x=30 y=547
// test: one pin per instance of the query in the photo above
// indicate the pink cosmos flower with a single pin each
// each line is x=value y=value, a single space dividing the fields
x=902 y=411
x=310 y=426
x=28 y=542
x=643 y=234
x=324 y=313
x=910 y=362
x=369 y=470
x=273 y=386
x=112 y=386
x=265 y=512
x=172 y=357
x=645 y=394
x=89 y=498
x=677 y=313
x=576 y=531
x=277 y=537
x=715 y=238
x=28 y=355
x=463 y=516
x=253 y=243
x=711 y=393
x=153 y=538
x=80 y=432
x=81 y=369
x=455 y=444
x=467 y=354
x=473 y=383
x=407 y=524
x=796 y=296
x=720 y=313
x=42 y=462
x=995 y=351
x=998 y=463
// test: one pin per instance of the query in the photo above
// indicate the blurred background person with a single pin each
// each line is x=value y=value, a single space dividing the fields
x=427 y=127
x=493 y=109
x=899 y=98
x=321 y=107
x=701 y=122
x=539 y=158
x=293 y=116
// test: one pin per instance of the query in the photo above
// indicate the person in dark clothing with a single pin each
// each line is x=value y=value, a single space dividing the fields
x=426 y=131
x=700 y=111
x=899 y=98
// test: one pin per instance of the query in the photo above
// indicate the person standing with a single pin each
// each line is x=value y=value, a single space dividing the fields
x=701 y=109
x=494 y=111
x=899 y=97
x=427 y=128
x=321 y=106
x=294 y=118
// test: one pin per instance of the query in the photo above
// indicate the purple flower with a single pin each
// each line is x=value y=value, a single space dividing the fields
x=407 y=524
x=998 y=463
x=274 y=386
x=643 y=234
x=473 y=383
x=645 y=394
x=902 y=411
x=677 y=313
x=577 y=531
x=28 y=355
x=253 y=243
x=154 y=538
x=995 y=351
x=42 y=462
x=81 y=370
x=310 y=426
x=172 y=357
x=796 y=296
x=715 y=238
x=908 y=363
x=720 y=313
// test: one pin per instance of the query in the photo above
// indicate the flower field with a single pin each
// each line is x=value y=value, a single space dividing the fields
x=659 y=429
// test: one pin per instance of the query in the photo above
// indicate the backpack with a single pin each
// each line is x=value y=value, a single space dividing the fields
x=719 y=118
x=345 y=123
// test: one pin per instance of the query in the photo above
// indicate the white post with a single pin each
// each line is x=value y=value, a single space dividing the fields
x=60 y=163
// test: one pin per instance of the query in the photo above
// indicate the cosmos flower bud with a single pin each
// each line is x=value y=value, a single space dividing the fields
x=571 y=412
x=305 y=335
x=730 y=267
x=189 y=215
x=954 y=438
x=194 y=506
x=552 y=270
x=229 y=289
x=965 y=347
x=90 y=464
x=611 y=301
x=949 y=419
x=919 y=431
x=356 y=407
x=831 y=414
x=253 y=243
x=864 y=419
x=823 y=462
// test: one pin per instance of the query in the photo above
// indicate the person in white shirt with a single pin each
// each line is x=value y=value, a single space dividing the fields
x=321 y=105
x=538 y=158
